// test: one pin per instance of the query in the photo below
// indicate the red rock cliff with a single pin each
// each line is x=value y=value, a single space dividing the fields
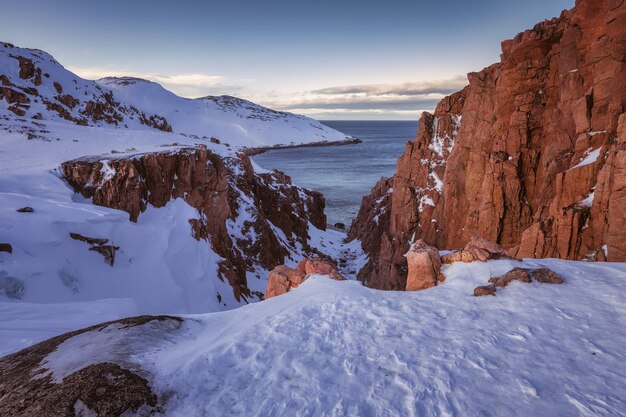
x=240 y=213
x=531 y=154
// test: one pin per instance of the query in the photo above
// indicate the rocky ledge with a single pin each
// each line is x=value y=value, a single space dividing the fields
x=240 y=212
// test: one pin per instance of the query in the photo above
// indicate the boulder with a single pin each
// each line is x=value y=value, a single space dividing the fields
x=477 y=249
x=98 y=245
x=485 y=290
x=547 y=276
x=25 y=210
x=319 y=266
x=282 y=279
x=424 y=266
x=6 y=247
x=515 y=274
x=542 y=275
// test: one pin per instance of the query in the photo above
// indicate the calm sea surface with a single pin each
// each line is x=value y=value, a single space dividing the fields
x=344 y=174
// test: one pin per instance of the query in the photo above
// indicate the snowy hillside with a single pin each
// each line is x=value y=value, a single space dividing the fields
x=36 y=87
x=176 y=257
x=232 y=120
x=338 y=348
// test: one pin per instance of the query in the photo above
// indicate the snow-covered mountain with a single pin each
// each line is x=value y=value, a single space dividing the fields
x=37 y=87
x=233 y=120
x=183 y=220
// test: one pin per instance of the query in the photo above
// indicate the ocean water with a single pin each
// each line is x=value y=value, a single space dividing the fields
x=344 y=174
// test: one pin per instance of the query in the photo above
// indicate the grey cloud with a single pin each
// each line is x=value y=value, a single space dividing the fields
x=402 y=89
x=357 y=104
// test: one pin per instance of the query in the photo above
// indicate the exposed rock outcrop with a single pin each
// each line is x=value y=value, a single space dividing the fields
x=542 y=275
x=477 y=249
x=484 y=290
x=424 y=265
x=530 y=155
x=102 y=389
x=225 y=191
x=80 y=102
x=319 y=266
x=98 y=245
x=515 y=274
x=282 y=278
x=6 y=247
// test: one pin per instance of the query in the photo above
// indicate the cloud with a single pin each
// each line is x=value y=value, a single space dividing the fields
x=186 y=85
x=402 y=89
x=401 y=99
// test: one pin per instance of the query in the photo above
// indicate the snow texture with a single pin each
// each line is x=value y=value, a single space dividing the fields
x=337 y=348
x=160 y=267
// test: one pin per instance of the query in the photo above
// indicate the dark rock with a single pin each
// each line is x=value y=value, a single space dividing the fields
x=515 y=274
x=5 y=247
x=485 y=290
x=106 y=389
x=90 y=240
x=547 y=276
x=25 y=210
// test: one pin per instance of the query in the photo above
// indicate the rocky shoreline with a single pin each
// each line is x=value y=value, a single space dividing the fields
x=263 y=149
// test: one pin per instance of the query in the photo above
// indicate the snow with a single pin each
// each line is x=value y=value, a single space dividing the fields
x=23 y=324
x=338 y=348
x=588 y=201
x=590 y=157
x=230 y=119
x=236 y=121
x=173 y=273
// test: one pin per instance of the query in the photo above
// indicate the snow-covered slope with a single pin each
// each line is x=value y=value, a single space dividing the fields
x=334 y=348
x=231 y=119
x=37 y=87
x=49 y=116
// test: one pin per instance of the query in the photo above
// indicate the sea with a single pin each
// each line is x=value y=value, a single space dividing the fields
x=344 y=174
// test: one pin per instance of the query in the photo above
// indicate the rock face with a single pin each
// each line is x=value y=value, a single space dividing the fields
x=101 y=389
x=225 y=192
x=282 y=278
x=424 y=265
x=530 y=155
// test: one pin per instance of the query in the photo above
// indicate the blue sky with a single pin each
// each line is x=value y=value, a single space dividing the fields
x=328 y=59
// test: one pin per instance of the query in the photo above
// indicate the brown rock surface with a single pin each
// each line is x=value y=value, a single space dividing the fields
x=106 y=389
x=215 y=188
x=319 y=266
x=515 y=274
x=547 y=276
x=424 y=265
x=282 y=279
x=477 y=249
x=6 y=247
x=501 y=159
x=484 y=290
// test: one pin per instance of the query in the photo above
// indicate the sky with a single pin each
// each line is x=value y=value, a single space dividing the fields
x=341 y=59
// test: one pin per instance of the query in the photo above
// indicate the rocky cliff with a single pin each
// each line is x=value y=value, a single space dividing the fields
x=531 y=154
x=254 y=221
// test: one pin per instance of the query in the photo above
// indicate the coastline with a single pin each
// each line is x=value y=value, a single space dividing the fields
x=263 y=149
